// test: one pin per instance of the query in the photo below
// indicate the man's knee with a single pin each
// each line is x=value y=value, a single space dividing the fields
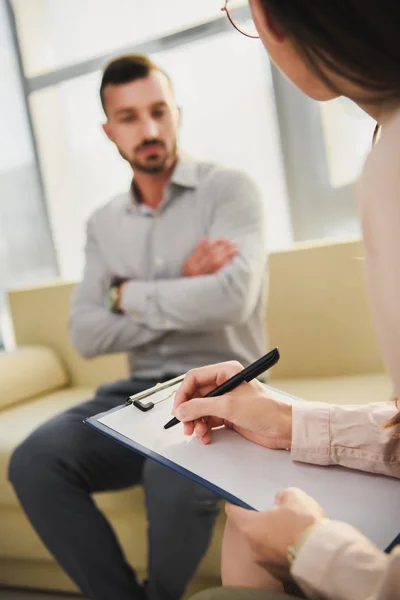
x=168 y=489
x=30 y=465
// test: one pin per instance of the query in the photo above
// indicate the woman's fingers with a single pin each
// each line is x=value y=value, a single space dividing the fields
x=200 y=428
x=188 y=428
x=221 y=407
x=205 y=379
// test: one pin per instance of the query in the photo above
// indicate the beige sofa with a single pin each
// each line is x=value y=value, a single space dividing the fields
x=318 y=315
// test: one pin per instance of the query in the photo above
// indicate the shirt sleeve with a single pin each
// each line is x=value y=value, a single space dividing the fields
x=336 y=562
x=227 y=297
x=352 y=436
x=94 y=329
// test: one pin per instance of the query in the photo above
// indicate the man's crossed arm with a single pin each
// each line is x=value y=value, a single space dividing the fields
x=219 y=286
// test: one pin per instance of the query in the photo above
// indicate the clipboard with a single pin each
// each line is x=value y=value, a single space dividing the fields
x=249 y=475
x=142 y=399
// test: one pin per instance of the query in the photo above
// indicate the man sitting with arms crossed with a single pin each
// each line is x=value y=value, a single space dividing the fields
x=174 y=276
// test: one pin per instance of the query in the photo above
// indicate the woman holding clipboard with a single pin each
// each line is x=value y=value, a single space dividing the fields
x=327 y=48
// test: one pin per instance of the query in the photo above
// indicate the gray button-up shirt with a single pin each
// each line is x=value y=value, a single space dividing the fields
x=174 y=323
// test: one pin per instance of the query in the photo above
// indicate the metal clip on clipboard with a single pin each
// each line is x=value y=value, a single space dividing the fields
x=137 y=399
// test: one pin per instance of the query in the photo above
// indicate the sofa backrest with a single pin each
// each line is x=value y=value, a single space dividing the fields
x=28 y=372
x=40 y=317
x=318 y=314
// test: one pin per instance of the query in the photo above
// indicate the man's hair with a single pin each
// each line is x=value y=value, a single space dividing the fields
x=125 y=69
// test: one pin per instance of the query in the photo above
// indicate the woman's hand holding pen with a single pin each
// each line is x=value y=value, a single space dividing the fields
x=250 y=409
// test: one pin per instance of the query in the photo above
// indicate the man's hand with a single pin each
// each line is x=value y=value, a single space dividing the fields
x=119 y=298
x=209 y=257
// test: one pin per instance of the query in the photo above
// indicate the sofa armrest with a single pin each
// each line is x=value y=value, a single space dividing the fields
x=28 y=372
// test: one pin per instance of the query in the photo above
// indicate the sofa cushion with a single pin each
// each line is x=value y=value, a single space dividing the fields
x=18 y=421
x=28 y=372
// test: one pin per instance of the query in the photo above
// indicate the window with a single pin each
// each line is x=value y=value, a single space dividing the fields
x=324 y=146
x=348 y=135
x=80 y=168
x=58 y=33
x=237 y=111
x=26 y=252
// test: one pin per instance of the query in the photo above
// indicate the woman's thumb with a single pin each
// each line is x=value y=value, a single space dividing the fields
x=289 y=497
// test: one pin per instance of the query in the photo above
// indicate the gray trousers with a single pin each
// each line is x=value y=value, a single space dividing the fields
x=59 y=466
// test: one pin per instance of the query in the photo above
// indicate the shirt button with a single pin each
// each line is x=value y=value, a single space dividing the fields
x=159 y=261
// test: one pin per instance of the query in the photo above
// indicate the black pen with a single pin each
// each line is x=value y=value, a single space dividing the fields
x=251 y=372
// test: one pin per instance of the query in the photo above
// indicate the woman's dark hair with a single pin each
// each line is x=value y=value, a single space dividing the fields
x=355 y=39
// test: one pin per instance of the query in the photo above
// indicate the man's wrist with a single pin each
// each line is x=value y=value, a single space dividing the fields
x=115 y=295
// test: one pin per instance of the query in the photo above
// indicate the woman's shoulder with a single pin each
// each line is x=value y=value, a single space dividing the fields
x=381 y=174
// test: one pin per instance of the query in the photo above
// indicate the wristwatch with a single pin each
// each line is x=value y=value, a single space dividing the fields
x=293 y=550
x=114 y=295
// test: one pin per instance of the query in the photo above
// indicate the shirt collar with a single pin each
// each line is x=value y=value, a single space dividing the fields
x=185 y=175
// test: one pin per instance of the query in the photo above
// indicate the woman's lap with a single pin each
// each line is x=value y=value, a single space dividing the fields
x=226 y=593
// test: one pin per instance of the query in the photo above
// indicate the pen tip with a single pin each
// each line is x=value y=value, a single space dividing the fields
x=171 y=423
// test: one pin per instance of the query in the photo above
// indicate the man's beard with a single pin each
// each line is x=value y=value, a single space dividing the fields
x=153 y=163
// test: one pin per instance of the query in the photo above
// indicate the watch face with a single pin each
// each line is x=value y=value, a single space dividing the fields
x=112 y=296
x=291 y=555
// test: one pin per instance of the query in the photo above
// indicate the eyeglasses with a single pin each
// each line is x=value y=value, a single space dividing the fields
x=239 y=15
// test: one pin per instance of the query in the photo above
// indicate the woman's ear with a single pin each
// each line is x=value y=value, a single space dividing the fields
x=269 y=29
